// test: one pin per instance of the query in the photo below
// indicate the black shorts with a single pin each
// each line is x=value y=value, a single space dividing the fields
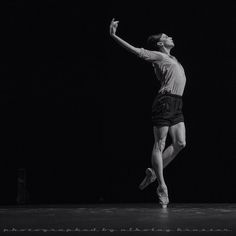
x=167 y=110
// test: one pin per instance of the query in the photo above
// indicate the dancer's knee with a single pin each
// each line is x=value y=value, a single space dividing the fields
x=159 y=145
x=180 y=144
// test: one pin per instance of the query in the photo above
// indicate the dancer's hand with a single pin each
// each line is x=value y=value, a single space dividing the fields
x=113 y=26
x=123 y=43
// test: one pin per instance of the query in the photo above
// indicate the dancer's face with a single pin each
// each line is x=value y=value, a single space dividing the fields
x=167 y=41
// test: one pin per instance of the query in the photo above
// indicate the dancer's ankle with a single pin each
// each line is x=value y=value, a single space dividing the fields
x=162 y=186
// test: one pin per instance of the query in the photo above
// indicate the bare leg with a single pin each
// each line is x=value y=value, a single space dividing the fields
x=157 y=161
x=169 y=154
x=177 y=133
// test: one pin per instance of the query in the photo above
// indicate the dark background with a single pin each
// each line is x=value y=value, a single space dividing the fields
x=76 y=107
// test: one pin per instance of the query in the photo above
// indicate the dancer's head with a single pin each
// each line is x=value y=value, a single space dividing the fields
x=159 y=41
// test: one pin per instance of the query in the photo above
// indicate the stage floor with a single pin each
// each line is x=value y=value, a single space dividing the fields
x=119 y=219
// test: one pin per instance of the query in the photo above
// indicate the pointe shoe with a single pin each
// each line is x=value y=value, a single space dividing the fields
x=163 y=196
x=149 y=178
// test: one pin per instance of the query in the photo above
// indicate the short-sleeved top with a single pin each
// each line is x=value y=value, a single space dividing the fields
x=168 y=71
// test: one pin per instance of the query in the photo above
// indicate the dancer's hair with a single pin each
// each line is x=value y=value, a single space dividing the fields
x=152 y=41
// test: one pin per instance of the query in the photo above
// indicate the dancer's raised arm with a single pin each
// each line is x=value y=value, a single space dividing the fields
x=123 y=43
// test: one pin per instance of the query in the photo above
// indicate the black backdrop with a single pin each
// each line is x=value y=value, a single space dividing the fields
x=75 y=107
